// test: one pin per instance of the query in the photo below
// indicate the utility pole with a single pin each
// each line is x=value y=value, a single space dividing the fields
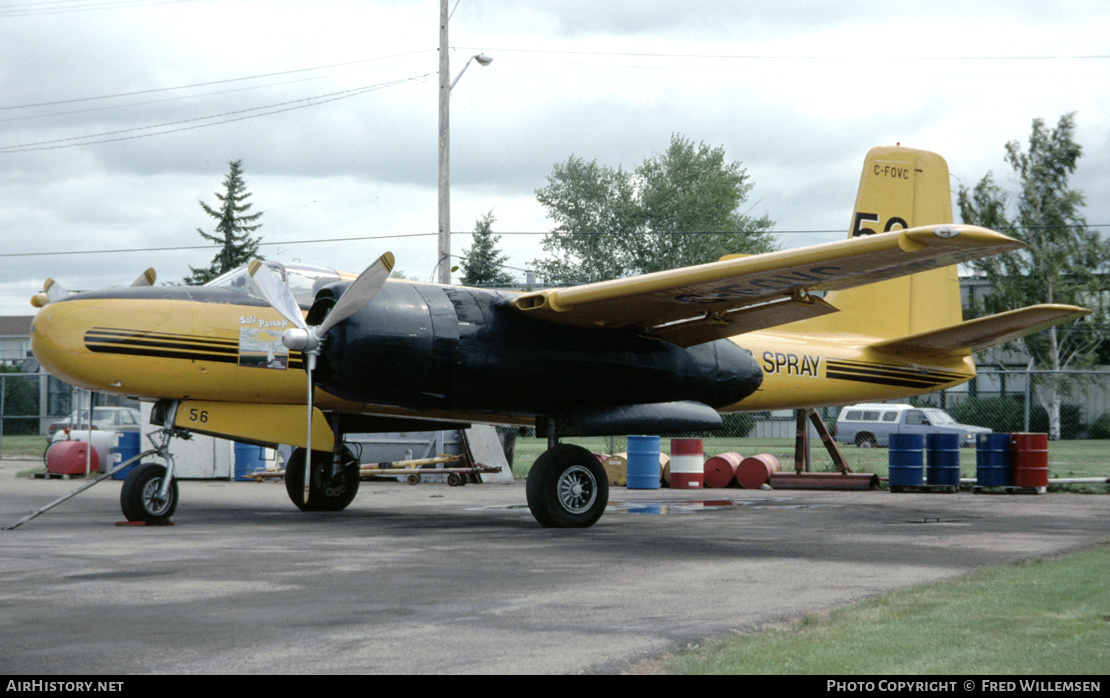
x=443 y=262
x=443 y=259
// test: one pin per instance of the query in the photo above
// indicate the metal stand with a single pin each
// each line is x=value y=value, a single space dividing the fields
x=802 y=478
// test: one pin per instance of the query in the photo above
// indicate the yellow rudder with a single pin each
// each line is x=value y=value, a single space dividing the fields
x=899 y=188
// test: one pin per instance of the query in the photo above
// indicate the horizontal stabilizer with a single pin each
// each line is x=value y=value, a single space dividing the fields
x=982 y=333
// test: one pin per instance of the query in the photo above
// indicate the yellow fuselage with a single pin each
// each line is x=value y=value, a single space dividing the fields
x=182 y=349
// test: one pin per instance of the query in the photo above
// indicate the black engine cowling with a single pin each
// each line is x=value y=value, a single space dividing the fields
x=441 y=347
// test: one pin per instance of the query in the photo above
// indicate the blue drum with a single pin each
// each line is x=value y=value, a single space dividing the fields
x=942 y=459
x=643 y=463
x=992 y=460
x=907 y=460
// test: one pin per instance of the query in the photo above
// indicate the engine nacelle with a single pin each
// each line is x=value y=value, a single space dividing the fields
x=441 y=347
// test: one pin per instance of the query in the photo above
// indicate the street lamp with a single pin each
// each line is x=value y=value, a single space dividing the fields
x=483 y=60
x=443 y=263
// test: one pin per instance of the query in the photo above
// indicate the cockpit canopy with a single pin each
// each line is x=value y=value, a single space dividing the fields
x=303 y=280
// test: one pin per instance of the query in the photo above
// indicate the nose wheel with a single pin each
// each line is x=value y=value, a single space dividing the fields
x=143 y=497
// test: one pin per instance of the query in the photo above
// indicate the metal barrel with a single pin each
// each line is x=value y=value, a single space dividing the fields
x=720 y=470
x=687 y=464
x=616 y=468
x=248 y=459
x=1029 y=453
x=643 y=463
x=942 y=459
x=906 y=465
x=992 y=460
x=756 y=471
x=126 y=448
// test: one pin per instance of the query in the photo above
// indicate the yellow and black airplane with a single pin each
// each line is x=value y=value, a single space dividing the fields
x=873 y=317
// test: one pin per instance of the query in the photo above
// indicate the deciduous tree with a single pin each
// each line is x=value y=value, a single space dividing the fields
x=680 y=207
x=1065 y=261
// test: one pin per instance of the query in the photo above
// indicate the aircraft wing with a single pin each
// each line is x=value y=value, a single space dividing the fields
x=698 y=304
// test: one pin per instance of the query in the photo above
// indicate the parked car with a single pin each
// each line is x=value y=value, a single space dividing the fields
x=107 y=418
x=869 y=425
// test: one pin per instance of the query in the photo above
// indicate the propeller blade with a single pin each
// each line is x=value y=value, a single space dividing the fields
x=359 y=293
x=277 y=293
x=54 y=291
x=147 y=278
x=310 y=366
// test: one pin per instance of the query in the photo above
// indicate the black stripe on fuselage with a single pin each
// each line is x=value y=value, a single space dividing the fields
x=878 y=374
x=106 y=340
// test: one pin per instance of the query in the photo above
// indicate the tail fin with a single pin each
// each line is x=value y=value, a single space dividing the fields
x=899 y=188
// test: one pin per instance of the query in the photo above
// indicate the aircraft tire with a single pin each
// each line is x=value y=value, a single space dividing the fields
x=567 y=488
x=335 y=497
x=139 y=495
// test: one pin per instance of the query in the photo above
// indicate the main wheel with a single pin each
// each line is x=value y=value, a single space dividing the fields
x=334 y=495
x=567 y=488
x=866 y=440
x=141 y=495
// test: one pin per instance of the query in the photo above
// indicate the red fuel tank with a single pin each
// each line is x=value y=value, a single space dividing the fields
x=70 y=458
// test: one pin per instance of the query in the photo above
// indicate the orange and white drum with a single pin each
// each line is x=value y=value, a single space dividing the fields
x=687 y=464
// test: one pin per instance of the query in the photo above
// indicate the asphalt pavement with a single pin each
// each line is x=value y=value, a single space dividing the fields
x=432 y=579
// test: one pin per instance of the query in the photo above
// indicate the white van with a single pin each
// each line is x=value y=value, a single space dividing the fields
x=871 y=424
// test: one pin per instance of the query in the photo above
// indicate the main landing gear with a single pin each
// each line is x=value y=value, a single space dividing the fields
x=332 y=486
x=567 y=488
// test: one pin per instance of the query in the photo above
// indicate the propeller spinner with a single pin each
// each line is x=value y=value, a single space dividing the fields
x=308 y=339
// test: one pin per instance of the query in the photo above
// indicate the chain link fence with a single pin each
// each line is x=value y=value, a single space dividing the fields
x=34 y=405
x=1003 y=401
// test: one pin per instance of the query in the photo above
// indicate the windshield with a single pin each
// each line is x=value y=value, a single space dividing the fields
x=938 y=417
x=302 y=279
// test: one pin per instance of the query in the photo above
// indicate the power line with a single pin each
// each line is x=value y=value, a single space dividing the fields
x=782 y=57
x=67 y=6
x=214 y=120
x=58 y=253
x=209 y=83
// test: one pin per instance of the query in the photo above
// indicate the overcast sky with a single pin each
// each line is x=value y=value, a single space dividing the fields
x=117 y=116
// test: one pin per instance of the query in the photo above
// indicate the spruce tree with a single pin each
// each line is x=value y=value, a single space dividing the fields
x=483 y=264
x=233 y=228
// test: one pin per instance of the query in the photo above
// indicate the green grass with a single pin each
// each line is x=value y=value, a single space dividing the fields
x=24 y=446
x=1043 y=617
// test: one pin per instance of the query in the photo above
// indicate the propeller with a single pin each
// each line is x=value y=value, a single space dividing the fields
x=309 y=339
x=147 y=278
x=54 y=291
